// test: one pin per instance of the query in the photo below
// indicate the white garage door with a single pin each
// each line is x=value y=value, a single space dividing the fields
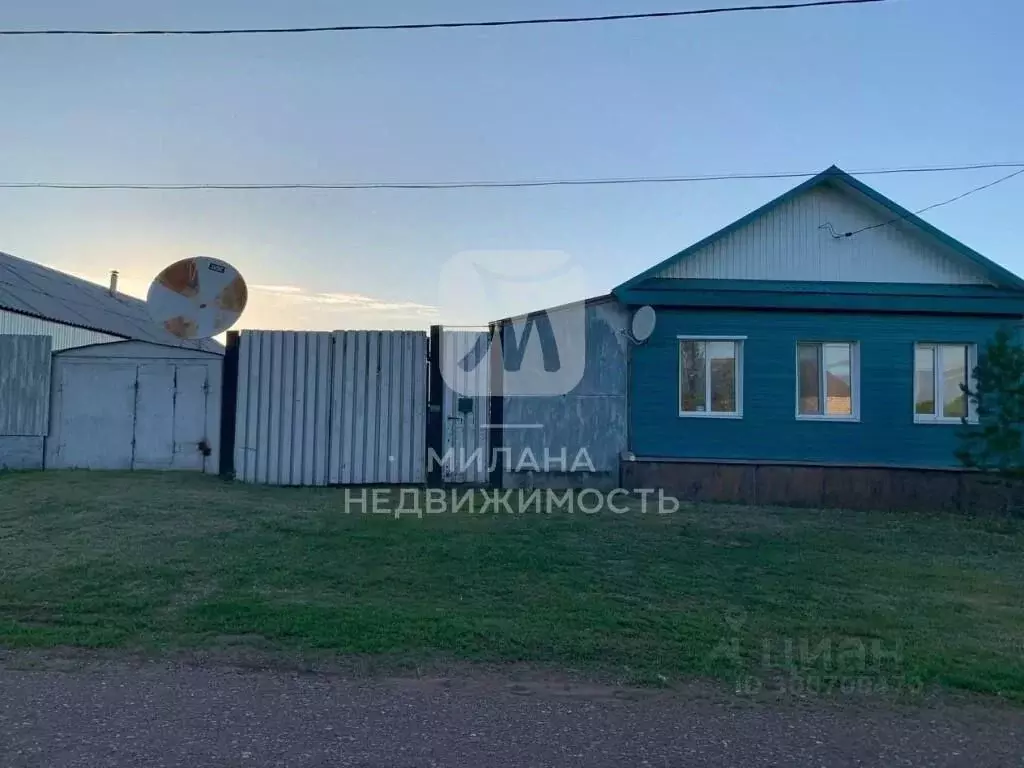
x=130 y=416
x=96 y=416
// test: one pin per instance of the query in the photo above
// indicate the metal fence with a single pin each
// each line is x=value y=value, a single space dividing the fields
x=336 y=408
x=24 y=384
x=24 y=400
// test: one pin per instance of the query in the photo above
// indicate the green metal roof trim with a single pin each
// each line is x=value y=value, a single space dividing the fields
x=827 y=296
x=998 y=274
x=827 y=288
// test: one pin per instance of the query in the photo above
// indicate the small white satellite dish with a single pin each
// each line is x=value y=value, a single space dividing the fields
x=643 y=324
x=197 y=298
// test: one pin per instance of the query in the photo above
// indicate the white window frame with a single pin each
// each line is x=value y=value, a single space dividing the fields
x=709 y=414
x=854 y=414
x=937 y=417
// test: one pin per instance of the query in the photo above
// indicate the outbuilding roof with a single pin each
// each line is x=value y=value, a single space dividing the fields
x=50 y=294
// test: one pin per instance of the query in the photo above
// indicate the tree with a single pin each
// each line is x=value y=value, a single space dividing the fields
x=996 y=444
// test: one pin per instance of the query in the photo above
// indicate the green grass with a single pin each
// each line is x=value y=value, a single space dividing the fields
x=165 y=561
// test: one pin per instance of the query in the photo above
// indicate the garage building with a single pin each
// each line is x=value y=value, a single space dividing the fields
x=88 y=380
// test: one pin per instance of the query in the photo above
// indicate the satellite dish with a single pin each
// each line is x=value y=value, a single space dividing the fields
x=197 y=298
x=643 y=323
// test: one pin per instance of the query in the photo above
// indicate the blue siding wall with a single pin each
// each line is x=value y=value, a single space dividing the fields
x=769 y=431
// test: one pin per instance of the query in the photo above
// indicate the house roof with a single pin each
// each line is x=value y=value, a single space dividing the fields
x=837 y=177
x=32 y=289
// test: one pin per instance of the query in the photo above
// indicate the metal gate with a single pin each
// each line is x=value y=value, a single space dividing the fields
x=465 y=410
x=331 y=408
x=122 y=413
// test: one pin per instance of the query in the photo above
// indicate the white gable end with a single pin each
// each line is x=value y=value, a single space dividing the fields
x=788 y=243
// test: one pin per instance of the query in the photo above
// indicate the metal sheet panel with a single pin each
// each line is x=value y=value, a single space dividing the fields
x=299 y=410
x=62 y=336
x=284 y=459
x=308 y=433
x=345 y=381
x=372 y=422
x=417 y=404
x=21 y=452
x=588 y=426
x=331 y=408
x=386 y=367
x=97 y=416
x=263 y=415
x=789 y=243
x=24 y=385
x=466 y=431
x=325 y=351
x=154 y=417
x=357 y=455
x=247 y=407
x=191 y=392
x=276 y=401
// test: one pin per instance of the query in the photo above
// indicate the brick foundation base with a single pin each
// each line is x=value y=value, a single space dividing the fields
x=925 y=490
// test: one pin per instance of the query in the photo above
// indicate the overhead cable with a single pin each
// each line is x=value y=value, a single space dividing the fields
x=431 y=25
x=489 y=184
x=840 y=235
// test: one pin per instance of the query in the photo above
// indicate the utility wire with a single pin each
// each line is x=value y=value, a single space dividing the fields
x=433 y=25
x=828 y=225
x=495 y=184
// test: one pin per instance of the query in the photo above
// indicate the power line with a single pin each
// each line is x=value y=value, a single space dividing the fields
x=493 y=184
x=434 y=25
x=828 y=225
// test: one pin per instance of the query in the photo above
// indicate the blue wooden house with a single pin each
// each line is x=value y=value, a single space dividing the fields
x=811 y=351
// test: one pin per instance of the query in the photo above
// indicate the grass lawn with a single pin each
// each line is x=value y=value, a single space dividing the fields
x=167 y=561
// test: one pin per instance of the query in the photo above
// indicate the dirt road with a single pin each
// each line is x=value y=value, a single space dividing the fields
x=128 y=715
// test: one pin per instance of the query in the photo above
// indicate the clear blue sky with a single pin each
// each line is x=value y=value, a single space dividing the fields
x=909 y=82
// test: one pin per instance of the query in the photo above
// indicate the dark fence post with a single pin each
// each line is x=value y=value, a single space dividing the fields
x=228 y=403
x=496 y=404
x=435 y=409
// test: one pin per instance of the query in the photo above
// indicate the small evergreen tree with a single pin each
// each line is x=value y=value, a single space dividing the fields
x=996 y=443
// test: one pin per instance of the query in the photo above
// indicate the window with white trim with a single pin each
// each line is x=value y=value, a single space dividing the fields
x=939 y=372
x=827 y=379
x=710 y=376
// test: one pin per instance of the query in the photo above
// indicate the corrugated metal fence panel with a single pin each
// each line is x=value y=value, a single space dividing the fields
x=24 y=385
x=64 y=336
x=378 y=408
x=331 y=408
x=466 y=434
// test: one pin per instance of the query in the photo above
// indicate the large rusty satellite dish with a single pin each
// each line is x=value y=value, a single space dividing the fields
x=197 y=298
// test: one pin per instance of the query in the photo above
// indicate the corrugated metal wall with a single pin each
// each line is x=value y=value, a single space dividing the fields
x=788 y=243
x=24 y=384
x=24 y=400
x=341 y=408
x=588 y=425
x=465 y=409
x=64 y=336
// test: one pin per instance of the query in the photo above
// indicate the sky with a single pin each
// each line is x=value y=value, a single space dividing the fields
x=901 y=83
